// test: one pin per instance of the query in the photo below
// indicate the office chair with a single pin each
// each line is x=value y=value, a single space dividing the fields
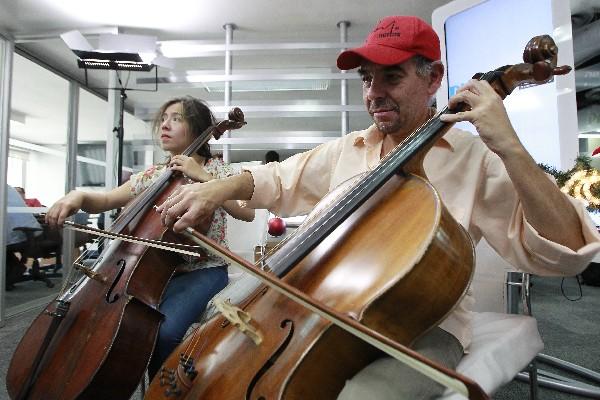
x=41 y=242
x=48 y=244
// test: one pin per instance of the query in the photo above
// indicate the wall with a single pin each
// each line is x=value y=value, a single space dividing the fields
x=45 y=177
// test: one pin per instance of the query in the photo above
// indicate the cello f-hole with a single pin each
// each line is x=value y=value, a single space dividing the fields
x=285 y=324
x=121 y=265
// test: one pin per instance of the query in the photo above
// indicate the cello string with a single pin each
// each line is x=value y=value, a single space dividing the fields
x=195 y=345
x=440 y=377
x=148 y=242
x=307 y=223
x=347 y=195
x=74 y=274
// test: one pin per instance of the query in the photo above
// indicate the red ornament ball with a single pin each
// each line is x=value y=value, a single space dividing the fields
x=276 y=226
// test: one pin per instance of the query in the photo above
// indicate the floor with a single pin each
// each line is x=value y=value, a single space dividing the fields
x=569 y=325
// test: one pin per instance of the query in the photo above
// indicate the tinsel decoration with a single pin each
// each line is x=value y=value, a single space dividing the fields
x=582 y=181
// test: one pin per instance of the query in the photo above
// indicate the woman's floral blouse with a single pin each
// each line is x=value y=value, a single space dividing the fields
x=218 y=228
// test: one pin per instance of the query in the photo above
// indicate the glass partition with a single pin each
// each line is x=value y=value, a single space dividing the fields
x=35 y=179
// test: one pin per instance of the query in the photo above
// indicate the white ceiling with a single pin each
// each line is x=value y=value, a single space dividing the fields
x=36 y=24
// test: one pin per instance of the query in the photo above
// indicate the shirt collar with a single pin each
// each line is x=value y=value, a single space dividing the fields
x=371 y=137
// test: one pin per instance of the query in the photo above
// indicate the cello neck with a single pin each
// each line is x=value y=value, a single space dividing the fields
x=146 y=199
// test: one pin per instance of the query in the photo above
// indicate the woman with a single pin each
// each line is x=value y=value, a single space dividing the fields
x=178 y=123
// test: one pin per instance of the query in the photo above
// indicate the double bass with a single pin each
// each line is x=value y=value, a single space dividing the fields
x=268 y=346
x=94 y=341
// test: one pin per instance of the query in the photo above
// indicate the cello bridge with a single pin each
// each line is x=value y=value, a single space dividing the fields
x=240 y=319
x=90 y=273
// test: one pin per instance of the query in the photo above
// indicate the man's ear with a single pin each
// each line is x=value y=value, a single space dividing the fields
x=435 y=77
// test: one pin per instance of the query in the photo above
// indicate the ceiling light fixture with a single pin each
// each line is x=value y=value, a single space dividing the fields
x=18 y=117
x=257 y=80
x=116 y=52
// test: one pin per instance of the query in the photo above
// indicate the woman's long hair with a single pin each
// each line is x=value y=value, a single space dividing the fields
x=197 y=115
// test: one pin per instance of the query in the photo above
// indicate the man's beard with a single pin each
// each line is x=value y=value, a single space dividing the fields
x=385 y=126
x=388 y=126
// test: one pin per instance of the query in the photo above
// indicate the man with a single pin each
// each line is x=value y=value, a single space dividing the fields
x=15 y=268
x=271 y=156
x=490 y=184
x=30 y=202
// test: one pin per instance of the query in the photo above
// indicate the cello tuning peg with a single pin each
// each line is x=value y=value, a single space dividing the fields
x=172 y=392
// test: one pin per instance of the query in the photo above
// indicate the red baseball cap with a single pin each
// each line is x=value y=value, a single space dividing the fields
x=394 y=40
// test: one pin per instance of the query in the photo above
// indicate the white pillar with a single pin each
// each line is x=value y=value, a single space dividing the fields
x=71 y=169
x=343 y=25
x=6 y=62
x=227 y=101
x=110 y=172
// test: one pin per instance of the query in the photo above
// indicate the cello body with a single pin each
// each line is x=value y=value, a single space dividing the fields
x=389 y=256
x=104 y=342
x=95 y=340
x=400 y=253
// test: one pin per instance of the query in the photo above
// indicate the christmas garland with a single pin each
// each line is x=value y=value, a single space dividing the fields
x=582 y=181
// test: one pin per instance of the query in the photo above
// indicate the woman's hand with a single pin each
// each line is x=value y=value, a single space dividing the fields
x=64 y=208
x=190 y=167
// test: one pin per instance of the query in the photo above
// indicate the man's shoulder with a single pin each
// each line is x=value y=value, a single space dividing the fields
x=345 y=140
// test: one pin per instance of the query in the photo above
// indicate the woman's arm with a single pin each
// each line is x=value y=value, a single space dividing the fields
x=234 y=209
x=89 y=202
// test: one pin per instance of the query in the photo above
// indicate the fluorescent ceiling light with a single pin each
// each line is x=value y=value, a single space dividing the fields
x=589 y=135
x=277 y=85
x=267 y=86
x=18 y=117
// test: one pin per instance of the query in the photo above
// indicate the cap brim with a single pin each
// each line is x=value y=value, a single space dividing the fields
x=383 y=55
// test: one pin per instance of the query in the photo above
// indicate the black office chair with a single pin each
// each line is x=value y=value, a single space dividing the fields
x=48 y=244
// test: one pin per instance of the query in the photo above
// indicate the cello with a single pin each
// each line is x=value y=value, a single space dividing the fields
x=95 y=339
x=268 y=347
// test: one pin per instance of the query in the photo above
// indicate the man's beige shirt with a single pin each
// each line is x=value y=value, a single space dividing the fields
x=472 y=182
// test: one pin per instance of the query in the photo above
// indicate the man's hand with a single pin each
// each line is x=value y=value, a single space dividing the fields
x=489 y=116
x=190 y=205
x=193 y=204
x=546 y=208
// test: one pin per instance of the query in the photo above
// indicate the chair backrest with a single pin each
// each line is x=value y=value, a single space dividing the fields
x=18 y=219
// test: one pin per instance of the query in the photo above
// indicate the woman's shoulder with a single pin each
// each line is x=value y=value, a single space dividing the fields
x=143 y=179
x=150 y=171
x=218 y=167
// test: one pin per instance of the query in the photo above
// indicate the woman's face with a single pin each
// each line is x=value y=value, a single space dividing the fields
x=174 y=135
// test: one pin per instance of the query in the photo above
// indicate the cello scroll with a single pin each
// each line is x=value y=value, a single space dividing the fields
x=540 y=58
x=235 y=121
